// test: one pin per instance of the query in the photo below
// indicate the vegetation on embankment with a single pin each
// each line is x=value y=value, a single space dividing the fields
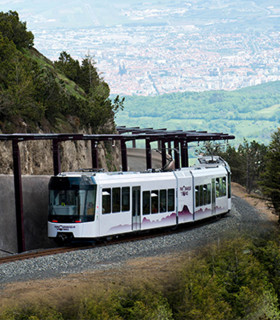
x=237 y=279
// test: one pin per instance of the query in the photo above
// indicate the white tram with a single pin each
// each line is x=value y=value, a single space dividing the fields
x=88 y=205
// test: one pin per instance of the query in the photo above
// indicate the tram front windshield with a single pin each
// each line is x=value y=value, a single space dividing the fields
x=71 y=200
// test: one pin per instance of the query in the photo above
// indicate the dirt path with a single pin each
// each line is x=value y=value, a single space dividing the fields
x=253 y=200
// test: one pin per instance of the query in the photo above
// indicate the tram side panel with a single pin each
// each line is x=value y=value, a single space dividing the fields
x=158 y=204
x=114 y=210
x=184 y=196
x=136 y=201
x=210 y=192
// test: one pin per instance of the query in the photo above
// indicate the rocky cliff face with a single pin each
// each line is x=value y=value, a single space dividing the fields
x=37 y=156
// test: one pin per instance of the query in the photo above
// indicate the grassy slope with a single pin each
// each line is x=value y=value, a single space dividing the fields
x=70 y=86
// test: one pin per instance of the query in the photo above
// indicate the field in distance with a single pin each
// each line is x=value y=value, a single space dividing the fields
x=252 y=113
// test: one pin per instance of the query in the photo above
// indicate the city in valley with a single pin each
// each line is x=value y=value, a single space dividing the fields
x=149 y=60
x=157 y=47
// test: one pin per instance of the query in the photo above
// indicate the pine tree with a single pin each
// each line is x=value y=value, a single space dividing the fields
x=15 y=30
x=68 y=65
x=271 y=176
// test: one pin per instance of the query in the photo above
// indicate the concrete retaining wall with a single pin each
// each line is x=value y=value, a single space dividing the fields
x=136 y=159
x=35 y=210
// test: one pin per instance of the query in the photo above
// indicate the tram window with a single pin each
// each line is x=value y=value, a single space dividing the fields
x=82 y=200
x=197 y=196
x=229 y=185
x=208 y=197
x=125 y=199
x=154 y=196
x=221 y=184
x=217 y=187
x=116 y=199
x=162 y=200
x=64 y=202
x=224 y=186
x=90 y=204
x=106 y=201
x=171 y=197
x=202 y=195
x=66 y=198
x=146 y=203
x=205 y=196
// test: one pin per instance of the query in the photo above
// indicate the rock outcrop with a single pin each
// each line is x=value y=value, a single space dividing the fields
x=37 y=157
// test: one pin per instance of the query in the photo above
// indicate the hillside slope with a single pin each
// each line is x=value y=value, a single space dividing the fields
x=36 y=94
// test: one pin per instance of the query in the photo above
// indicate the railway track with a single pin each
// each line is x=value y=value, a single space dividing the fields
x=54 y=251
x=38 y=253
x=106 y=242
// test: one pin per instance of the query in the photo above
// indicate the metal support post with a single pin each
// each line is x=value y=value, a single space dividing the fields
x=176 y=154
x=56 y=157
x=148 y=154
x=124 y=155
x=159 y=144
x=184 y=154
x=18 y=196
x=94 y=154
x=163 y=153
x=169 y=148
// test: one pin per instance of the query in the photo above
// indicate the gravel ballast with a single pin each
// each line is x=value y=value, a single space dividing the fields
x=242 y=218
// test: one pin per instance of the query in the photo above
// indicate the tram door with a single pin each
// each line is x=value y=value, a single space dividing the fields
x=213 y=196
x=136 y=216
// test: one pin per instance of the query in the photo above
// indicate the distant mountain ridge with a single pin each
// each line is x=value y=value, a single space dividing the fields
x=83 y=14
x=252 y=113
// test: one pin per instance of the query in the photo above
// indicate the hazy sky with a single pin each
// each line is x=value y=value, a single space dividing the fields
x=85 y=13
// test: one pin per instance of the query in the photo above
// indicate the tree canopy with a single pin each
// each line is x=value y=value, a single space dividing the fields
x=270 y=178
x=15 y=30
x=247 y=161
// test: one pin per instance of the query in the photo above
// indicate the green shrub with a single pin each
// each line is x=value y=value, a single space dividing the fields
x=225 y=283
x=31 y=312
x=135 y=303
x=237 y=280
